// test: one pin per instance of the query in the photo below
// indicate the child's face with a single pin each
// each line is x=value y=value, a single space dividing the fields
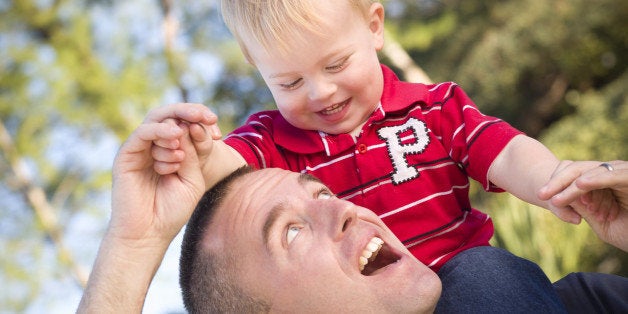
x=330 y=82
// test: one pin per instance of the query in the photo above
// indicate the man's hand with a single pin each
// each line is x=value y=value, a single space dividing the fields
x=203 y=128
x=148 y=210
x=148 y=205
x=598 y=194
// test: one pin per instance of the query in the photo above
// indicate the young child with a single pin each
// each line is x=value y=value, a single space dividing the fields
x=404 y=150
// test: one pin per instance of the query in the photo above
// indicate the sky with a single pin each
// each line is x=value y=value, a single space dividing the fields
x=141 y=20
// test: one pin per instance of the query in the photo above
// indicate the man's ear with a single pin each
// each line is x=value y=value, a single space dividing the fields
x=376 y=24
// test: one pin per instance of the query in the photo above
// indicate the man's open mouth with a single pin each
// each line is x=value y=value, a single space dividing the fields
x=376 y=255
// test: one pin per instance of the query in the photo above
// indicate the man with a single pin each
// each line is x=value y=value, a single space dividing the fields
x=150 y=207
x=149 y=210
x=278 y=241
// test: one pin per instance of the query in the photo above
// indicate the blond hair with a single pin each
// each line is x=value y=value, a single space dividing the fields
x=273 y=22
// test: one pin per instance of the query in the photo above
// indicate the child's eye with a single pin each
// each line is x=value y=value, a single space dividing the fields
x=337 y=66
x=291 y=85
x=292 y=233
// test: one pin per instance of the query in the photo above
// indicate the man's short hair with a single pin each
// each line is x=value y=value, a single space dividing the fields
x=206 y=278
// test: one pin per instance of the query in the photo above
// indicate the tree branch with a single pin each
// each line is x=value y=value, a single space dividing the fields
x=36 y=198
x=171 y=28
x=400 y=58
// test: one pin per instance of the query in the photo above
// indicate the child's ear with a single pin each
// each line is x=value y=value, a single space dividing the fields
x=376 y=23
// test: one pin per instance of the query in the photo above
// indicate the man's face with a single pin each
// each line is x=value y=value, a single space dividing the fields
x=299 y=247
x=329 y=81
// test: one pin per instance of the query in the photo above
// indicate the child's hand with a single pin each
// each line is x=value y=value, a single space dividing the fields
x=203 y=130
x=562 y=179
x=598 y=194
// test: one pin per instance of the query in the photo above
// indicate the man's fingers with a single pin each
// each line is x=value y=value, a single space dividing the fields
x=165 y=168
x=595 y=178
x=603 y=178
x=161 y=154
x=190 y=112
x=145 y=134
x=601 y=205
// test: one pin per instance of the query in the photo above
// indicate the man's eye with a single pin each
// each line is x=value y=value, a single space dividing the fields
x=292 y=233
x=324 y=194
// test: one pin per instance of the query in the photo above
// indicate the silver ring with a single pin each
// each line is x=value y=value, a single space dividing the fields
x=607 y=166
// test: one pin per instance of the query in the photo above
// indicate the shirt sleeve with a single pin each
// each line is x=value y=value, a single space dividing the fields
x=474 y=140
x=254 y=142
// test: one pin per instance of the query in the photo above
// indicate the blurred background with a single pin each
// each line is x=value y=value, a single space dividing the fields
x=77 y=76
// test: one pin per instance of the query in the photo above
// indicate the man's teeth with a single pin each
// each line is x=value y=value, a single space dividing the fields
x=370 y=252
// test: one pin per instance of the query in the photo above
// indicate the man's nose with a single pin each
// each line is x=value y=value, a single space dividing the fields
x=339 y=217
x=321 y=88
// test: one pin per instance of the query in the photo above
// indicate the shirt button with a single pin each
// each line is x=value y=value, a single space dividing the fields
x=362 y=148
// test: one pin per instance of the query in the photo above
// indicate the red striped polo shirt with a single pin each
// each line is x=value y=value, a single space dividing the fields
x=410 y=165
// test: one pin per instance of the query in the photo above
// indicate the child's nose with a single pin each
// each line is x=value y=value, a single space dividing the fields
x=321 y=89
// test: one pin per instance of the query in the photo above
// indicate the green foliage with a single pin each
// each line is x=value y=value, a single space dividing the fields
x=517 y=59
x=558 y=71
x=53 y=83
x=558 y=247
x=598 y=130
x=538 y=235
x=77 y=75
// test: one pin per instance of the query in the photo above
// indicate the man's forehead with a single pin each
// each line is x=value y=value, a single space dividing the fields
x=272 y=178
x=257 y=192
x=249 y=202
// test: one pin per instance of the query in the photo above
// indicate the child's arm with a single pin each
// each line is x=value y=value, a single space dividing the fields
x=522 y=168
x=216 y=158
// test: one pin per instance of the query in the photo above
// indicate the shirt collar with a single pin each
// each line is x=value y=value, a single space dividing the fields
x=397 y=96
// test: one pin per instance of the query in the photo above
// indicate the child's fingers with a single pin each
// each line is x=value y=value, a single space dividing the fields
x=561 y=178
x=215 y=131
x=567 y=214
x=198 y=132
x=190 y=169
x=561 y=189
x=202 y=141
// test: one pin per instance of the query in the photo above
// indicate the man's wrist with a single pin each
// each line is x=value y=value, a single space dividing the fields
x=121 y=275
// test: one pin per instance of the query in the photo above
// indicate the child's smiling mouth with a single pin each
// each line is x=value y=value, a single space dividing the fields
x=335 y=108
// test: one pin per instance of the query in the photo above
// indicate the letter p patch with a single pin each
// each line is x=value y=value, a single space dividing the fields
x=402 y=140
